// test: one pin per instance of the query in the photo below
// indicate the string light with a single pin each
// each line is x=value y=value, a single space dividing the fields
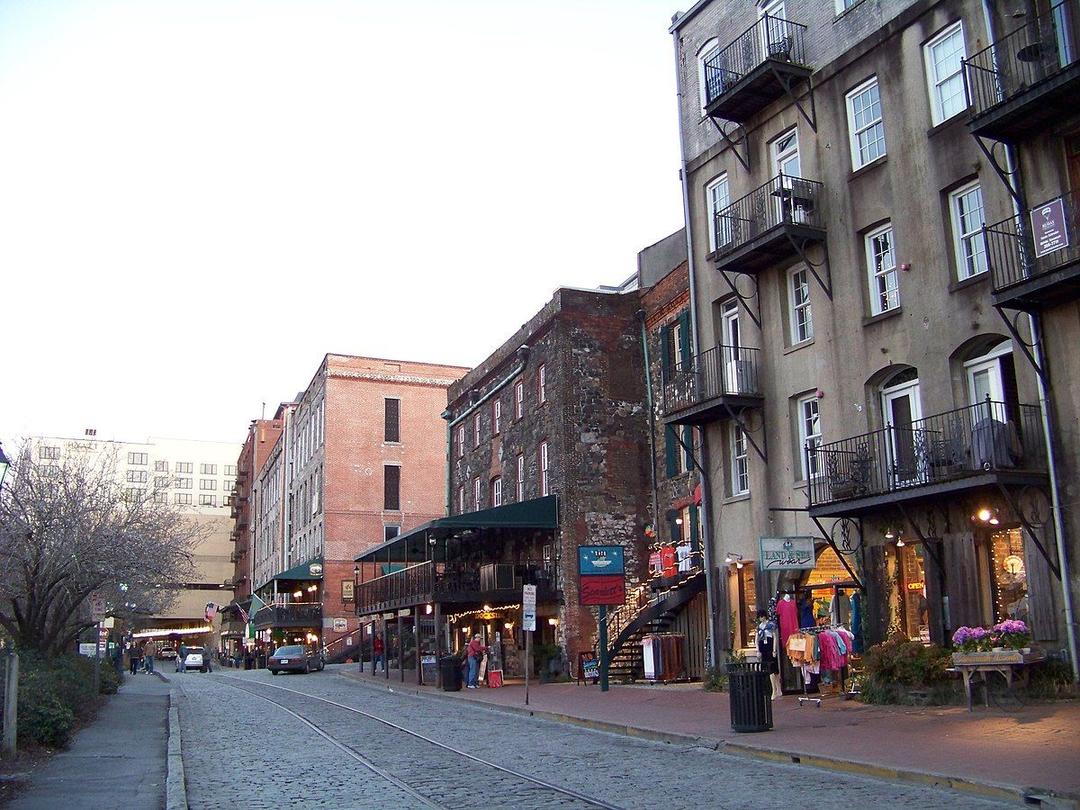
x=453 y=617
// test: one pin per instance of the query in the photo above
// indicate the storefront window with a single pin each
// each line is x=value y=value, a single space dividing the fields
x=914 y=610
x=747 y=604
x=1009 y=577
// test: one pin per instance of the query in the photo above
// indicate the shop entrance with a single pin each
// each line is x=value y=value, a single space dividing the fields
x=1008 y=580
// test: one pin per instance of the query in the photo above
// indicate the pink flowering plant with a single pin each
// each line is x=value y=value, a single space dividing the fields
x=972 y=639
x=1012 y=634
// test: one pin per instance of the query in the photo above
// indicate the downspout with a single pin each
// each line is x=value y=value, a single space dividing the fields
x=706 y=490
x=652 y=420
x=1035 y=327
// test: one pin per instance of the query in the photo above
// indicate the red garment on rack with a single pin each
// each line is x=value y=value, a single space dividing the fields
x=789 y=619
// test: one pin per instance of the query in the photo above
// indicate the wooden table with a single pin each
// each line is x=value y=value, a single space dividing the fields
x=1011 y=666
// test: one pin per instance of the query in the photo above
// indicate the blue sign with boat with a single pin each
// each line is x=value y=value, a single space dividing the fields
x=600 y=560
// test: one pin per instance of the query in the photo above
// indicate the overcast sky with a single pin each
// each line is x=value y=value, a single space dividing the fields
x=200 y=198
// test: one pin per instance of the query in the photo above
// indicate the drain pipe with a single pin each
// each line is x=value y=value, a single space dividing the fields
x=652 y=419
x=1035 y=327
x=706 y=490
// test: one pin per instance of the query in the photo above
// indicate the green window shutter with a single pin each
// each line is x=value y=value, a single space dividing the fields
x=688 y=440
x=665 y=353
x=671 y=451
x=684 y=340
x=695 y=530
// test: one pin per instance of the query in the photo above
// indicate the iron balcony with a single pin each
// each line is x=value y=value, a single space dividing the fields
x=713 y=385
x=1020 y=277
x=758 y=67
x=960 y=450
x=769 y=224
x=297 y=614
x=1026 y=80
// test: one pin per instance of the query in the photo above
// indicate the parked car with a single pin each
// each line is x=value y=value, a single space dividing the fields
x=166 y=654
x=196 y=658
x=294 y=658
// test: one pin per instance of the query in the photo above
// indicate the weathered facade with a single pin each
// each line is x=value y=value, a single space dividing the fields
x=851 y=380
x=262 y=436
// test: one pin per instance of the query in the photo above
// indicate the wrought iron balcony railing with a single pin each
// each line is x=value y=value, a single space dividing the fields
x=1021 y=249
x=945 y=447
x=723 y=371
x=770 y=38
x=1041 y=47
x=784 y=200
x=296 y=614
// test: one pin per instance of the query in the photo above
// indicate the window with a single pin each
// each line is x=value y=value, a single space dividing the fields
x=49 y=453
x=391 y=487
x=844 y=5
x=544 y=489
x=132 y=494
x=183 y=499
x=519 y=399
x=966 y=206
x=865 y=125
x=541 y=384
x=461 y=441
x=476 y=430
x=137 y=458
x=710 y=78
x=461 y=500
x=740 y=462
x=230 y=469
x=496 y=417
x=881 y=270
x=390 y=532
x=520 y=477
x=392 y=417
x=496 y=491
x=137 y=476
x=476 y=494
x=161 y=497
x=228 y=485
x=161 y=466
x=717 y=199
x=207 y=500
x=208 y=469
x=183 y=467
x=802 y=323
x=227 y=500
x=944 y=76
x=207 y=483
x=161 y=481
x=809 y=436
x=50 y=470
x=182 y=483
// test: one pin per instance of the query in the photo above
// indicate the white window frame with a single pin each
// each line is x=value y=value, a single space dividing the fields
x=740 y=461
x=854 y=133
x=809 y=412
x=973 y=236
x=476 y=429
x=461 y=440
x=519 y=399
x=541 y=383
x=543 y=469
x=521 y=477
x=934 y=82
x=717 y=199
x=844 y=5
x=476 y=494
x=496 y=491
x=496 y=418
x=797 y=308
x=878 y=277
x=461 y=499
x=704 y=52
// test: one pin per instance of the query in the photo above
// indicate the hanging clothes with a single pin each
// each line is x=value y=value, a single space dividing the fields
x=789 y=619
x=806 y=612
x=856 y=623
x=839 y=608
x=766 y=647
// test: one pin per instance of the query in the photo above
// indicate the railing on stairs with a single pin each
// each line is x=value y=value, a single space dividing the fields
x=343 y=647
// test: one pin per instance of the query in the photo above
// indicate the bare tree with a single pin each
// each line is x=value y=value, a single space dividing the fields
x=71 y=530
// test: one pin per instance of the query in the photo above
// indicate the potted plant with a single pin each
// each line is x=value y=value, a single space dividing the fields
x=972 y=640
x=1012 y=634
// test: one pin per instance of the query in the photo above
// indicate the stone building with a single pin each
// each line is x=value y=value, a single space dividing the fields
x=851 y=381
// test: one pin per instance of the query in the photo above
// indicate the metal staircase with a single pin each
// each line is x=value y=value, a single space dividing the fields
x=640 y=616
x=339 y=649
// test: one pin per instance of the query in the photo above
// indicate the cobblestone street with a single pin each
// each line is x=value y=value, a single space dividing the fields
x=242 y=750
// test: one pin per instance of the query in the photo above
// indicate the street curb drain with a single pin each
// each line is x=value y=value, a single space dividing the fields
x=175 y=788
x=1029 y=796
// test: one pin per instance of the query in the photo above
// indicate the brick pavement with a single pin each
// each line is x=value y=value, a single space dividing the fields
x=1034 y=749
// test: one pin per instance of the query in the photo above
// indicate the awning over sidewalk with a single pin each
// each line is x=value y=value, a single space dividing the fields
x=310 y=570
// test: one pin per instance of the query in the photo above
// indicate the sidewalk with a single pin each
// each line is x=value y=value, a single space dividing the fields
x=1033 y=751
x=119 y=760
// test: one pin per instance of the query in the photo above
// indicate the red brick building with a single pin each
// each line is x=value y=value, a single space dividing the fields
x=262 y=435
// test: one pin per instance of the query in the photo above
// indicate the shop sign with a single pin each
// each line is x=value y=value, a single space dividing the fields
x=1049 y=228
x=341 y=625
x=590 y=669
x=97 y=607
x=609 y=589
x=315 y=570
x=786 y=553
x=528 y=607
x=600 y=560
x=601 y=577
x=86 y=649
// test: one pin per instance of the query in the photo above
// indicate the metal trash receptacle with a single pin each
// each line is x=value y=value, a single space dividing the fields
x=750 y=696
x=450 y=674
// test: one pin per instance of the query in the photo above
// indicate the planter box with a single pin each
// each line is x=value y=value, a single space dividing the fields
x=1002 y=657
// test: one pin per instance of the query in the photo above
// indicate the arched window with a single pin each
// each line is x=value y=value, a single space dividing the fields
x=710 y=83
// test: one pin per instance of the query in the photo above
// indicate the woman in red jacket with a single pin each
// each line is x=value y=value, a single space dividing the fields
x=475 y=651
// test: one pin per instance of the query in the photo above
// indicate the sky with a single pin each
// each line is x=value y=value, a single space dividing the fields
x=201 y=198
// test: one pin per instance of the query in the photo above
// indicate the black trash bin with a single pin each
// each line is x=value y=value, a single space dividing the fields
x=750 y=697
x=450 y=673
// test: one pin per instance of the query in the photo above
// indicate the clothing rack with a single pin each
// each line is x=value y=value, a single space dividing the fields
x=814 y=630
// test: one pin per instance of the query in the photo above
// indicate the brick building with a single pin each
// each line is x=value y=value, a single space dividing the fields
x=262 y=436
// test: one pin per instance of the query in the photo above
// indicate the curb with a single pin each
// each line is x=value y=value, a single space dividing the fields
x=175 y=789
x=986 y=790
x=161 y=675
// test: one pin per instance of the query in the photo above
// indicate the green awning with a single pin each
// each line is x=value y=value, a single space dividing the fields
x=312 y=569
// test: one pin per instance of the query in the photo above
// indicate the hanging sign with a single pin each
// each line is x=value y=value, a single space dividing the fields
x=528 y=607
x=600 y=560
x=786 y=553
x=601 y=576
x=1049 y=228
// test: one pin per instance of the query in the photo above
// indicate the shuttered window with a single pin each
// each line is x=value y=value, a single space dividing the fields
x=392 y=432
x=391 y=487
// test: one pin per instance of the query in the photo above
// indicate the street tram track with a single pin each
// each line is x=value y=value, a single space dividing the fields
x=383 y=772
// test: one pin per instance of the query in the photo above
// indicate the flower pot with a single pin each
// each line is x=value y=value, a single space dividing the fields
x=997 y=649
x=1026 y=650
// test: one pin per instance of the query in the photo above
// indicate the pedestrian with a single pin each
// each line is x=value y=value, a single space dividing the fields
x=181 y=657
x=474 y=652
x=378 y=653
x=135 y=657
x=148 y=659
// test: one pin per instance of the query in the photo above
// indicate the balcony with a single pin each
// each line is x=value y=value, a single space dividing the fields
x=1035 y=260
x=716 y=384
x=1023 y=83
x=454 y=582
x=297 y=614
x=769 y=224
x=759 y=66
x=956 y=451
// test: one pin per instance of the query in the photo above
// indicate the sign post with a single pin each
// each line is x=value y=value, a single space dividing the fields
x=528 y=624
x=602 y=582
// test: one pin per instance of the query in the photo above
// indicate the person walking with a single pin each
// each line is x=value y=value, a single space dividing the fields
x=180 y=660
x=135 y=657
x=148 y=659
x=474 y=652
x=378 y=650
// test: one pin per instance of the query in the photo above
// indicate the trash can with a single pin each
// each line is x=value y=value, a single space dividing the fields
x=750 y=697
x=450 y=673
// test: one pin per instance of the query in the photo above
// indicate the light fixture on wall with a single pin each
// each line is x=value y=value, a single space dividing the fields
x=734 y=559
x=890 y=534
x=988 y=515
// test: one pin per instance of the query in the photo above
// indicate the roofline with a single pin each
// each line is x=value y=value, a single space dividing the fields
x=686 y=15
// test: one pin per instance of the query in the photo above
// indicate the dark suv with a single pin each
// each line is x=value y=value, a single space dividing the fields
x=294 y=658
